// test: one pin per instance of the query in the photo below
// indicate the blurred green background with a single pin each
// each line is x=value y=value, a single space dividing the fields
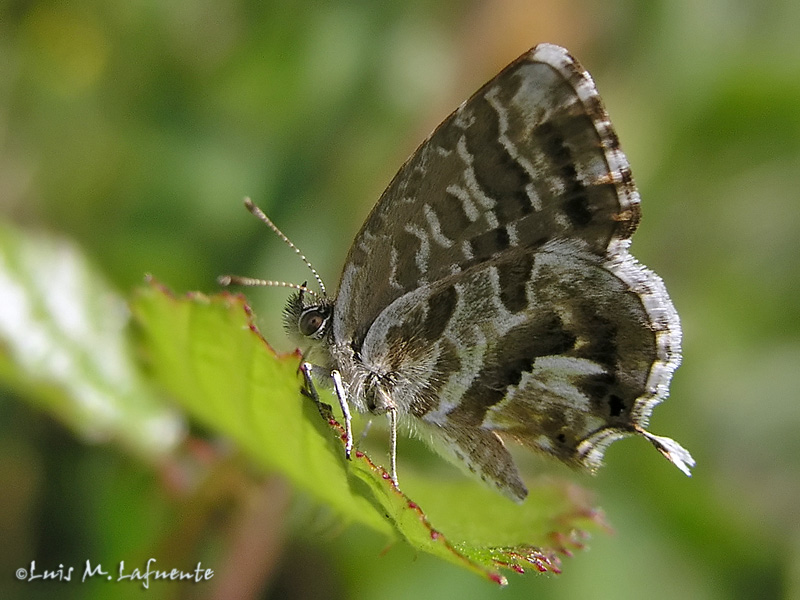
x=135 y=128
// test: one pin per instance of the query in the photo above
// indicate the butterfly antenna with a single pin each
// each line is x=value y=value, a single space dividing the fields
x=260 y=214
x=227 y=280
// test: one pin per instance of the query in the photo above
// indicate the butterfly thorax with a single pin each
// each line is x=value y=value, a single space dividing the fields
x=376 y=377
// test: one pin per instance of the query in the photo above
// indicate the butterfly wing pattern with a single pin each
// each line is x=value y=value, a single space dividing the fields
x=490 y=293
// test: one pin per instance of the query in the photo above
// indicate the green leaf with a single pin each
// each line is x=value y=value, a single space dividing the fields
x=207 y=352
x=64 y=346
x=208 y=355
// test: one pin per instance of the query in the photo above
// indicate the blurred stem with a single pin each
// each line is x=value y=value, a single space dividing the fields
x=255 y=543
x=229 y=504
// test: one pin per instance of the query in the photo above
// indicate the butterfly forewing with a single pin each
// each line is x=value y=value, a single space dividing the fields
x=518 y=164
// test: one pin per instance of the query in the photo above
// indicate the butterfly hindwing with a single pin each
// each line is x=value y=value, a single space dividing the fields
x=539 y=357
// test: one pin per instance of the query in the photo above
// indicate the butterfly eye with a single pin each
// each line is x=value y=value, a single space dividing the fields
x=312 y=322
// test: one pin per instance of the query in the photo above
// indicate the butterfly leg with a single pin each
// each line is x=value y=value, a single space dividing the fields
x=364 y=433
x=311 y=390
x=338 y=387
x=392 y=414
x=381 y=402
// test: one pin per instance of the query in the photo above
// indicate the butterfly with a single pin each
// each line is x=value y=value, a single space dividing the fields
x=490 y=296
